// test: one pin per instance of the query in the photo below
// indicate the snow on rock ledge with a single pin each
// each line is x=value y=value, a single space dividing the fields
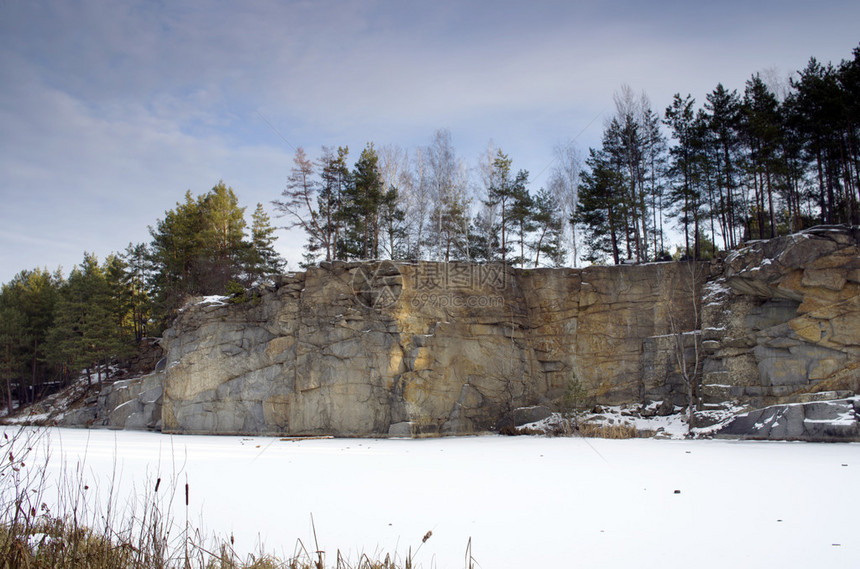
x=819 y=421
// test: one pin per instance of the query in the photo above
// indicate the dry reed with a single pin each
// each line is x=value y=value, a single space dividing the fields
x=78 y=532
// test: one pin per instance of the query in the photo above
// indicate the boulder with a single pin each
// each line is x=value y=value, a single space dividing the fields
x=532 y=414
x=132 y=403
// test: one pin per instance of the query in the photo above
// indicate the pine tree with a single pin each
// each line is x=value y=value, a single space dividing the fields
x=723 y=120
x=29 y=301
x=120 y=298
x=654 y=150
x=336 y=184
x=12 y=356
x=510 y=198
x=624 y=144
x=86 y=332
x=548 y=225
x=762 y=128
x=262 y=261
x=14 y=344
x=197 y=249
x=522 y=214
x=136 y=280
x=300 y=201
x=679 y=117
x=602 y=191
x=361 y=207
x=484 y=238
x=223 y=239
x=392 y=225
x=824 y=110
x=173 y=254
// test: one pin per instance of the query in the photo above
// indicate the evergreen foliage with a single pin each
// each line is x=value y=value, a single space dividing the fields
x=201 y=246
x=51 y=329
x=262 y=261
x=26 y=313
x=91 y=323
x=548 y=226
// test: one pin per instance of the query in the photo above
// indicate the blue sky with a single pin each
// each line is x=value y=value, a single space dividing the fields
x=110 y=111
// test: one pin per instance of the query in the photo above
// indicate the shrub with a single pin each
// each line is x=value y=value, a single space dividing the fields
x=603 y=431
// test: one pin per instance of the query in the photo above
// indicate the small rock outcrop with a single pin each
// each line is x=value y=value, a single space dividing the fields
x=831 y=421
x=133 y=403
x=782 y=319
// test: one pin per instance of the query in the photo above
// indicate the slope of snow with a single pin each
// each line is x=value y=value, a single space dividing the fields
x=645 y=420
x=523 y=501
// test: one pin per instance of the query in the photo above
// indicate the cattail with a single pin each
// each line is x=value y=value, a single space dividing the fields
x=186 y=494
x=157 y=484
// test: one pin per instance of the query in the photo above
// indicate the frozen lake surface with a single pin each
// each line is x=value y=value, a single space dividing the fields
x=523 y=501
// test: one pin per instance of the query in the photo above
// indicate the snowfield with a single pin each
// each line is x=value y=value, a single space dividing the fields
x=523 y=501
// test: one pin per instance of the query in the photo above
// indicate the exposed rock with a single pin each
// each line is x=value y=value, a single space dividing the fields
x=533 y=414
x=379 y=348
x=783 y=319
x=132 y=403
x=414 y=349
x=665 y=409
x=145 y=358
x=820 y=421
x=401 y=429
x=80 y=417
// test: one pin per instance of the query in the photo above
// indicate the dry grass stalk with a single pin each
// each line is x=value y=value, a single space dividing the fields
x=602 y=431
x=80 y=533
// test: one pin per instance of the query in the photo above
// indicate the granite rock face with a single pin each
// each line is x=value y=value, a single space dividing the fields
x=782 y=318
x=816 y=421
x=132 y=403
x=416 y=349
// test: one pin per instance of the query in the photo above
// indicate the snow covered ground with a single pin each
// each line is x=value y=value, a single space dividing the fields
x=523 y=501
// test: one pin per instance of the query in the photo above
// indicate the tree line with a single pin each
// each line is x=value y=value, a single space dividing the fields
x=53 y=328
x=390 y=205
x=753 y=165
x=772 y=159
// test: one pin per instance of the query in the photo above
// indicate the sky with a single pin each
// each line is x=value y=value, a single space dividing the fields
x=110 y=111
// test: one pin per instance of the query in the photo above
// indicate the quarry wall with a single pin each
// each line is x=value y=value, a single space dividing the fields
x=409 y=349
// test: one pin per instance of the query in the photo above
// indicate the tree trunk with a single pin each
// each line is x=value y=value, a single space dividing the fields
x=770 y=202
x=613 y=237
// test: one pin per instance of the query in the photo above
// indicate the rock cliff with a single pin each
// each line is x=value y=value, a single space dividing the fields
x=781 y=319
x=424 y=348
x=417 y=348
